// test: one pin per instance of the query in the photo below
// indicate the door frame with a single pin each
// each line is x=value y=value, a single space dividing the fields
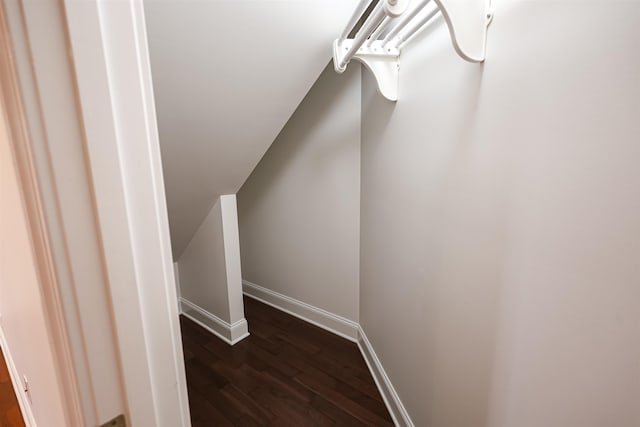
x=89 y=160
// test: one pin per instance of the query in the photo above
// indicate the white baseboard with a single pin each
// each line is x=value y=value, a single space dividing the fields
x=331 y=322
x=391 y=399
x=231 y=333
x=16 y=381
x=344 y=328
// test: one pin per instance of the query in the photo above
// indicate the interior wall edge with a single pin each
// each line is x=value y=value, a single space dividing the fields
x=231 y=333
x=231 y=253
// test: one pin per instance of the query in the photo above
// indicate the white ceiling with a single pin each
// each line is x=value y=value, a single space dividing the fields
x=227 y=75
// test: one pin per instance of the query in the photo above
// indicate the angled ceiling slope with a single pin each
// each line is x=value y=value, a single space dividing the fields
x=227 y=75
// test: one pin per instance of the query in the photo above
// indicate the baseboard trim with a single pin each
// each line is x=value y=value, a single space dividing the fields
x=342 y=327
x=389 y=395
x=231 y=333
x=338 y=325
x=25 y=407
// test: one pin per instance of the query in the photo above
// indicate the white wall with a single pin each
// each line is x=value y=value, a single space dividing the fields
x=24 y=333
x=227 y=75
x=202 y=270
x=500 y=222
x=210 y=275
x=299 y=211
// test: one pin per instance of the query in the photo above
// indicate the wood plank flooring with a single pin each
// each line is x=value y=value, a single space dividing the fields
x=10 y=415
x=286 y=373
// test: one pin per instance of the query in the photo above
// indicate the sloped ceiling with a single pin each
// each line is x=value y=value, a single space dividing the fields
x=227 y=76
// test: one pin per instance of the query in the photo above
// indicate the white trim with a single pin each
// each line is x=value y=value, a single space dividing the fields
x=25 y=407
x=331 y=322
x=231 y=333
x=344 y=328
x=25 y=113
x=389 y=395
x=109 y=50
x=88 y=106
x=231 y=245
x=176 y=276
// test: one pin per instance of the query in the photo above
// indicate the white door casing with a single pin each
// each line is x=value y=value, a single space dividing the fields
x=85 y=84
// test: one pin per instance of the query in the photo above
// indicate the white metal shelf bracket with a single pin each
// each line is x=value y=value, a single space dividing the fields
x=392 y=23
x=383 y=63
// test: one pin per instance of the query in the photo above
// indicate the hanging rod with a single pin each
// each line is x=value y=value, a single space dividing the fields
x=392 y=23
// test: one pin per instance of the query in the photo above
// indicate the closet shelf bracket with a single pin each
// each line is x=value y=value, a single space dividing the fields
x=383 y=63
x=390 y=24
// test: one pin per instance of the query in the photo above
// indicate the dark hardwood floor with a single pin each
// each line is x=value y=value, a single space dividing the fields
x=286 y=373
x=10 y=415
